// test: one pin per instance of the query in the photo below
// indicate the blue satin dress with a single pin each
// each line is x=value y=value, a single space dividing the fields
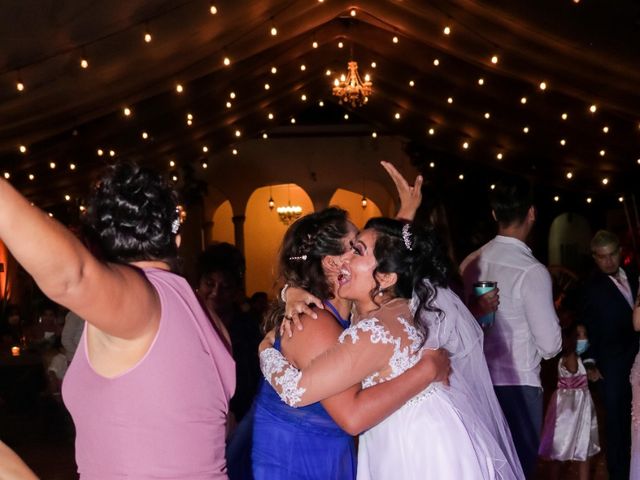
x=299 y=443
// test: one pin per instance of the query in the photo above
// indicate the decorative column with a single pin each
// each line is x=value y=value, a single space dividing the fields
x=238 y=231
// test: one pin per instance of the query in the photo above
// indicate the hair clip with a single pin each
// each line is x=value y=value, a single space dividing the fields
x=301 y=257
x=175 y=225
x=406 y=236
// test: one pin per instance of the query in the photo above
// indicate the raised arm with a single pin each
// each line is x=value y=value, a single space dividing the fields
x=331 y=372
x=356 y=410
x=410 y=195
x=116 y=299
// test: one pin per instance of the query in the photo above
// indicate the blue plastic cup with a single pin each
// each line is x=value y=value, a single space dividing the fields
x=480 y=288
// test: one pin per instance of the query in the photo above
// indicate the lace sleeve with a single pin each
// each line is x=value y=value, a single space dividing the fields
x=342 y=366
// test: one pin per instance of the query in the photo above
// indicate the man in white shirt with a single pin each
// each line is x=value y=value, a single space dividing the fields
x=608 y=300
x=526 y=327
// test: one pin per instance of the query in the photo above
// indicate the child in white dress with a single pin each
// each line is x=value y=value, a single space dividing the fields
x=570 y=431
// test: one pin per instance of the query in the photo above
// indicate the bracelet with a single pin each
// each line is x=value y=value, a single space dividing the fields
x=283 y=293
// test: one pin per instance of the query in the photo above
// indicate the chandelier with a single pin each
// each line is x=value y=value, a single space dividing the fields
x=351 y=89
x=289 y=214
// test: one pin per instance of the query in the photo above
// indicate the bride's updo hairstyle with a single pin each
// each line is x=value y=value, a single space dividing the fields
x=133 y=212
x=414 y=254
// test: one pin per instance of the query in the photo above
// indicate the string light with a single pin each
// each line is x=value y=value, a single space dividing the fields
x=525 y=130
x=303 y=67
x=20 y=86
x=589 y=200
x=314 y=44
x=172 y=163
x=543 y=86
x=374 y=134
x=564 y=116
x=226 y=61
x=232 y=95
x=72 y=166
x=492 y=186
x=436 y=62
x=353 y=12
x=481 y=81
x=100 y=152
x=431 y=131
x=293 y=120
x=23 y=149
x=213 y=9
x=265 y=136
x=432 y=164
x=126 y=111
x=605 y=129
x=487 y=115
x=273 y=31
x=569 y=175
x=52 y=165
x=112 y=153
x=602 y=153
x=179 y=88
x=465 y=145
x=229 y=104
x=494 y=59
x=461 y=176
x=340 y=44
x=303 y=97
x=593 y=108
x=523 y=100
x=375 y=65
x=447 y=30
x=205 y=149
x=84 y=63
x=346 y=116
x=395 y=39
x=67 y=197
x=234 y=151
x=270 y=116
x=621 y=199
x=147 y=37
x=274 y=70
x=204 y=165
x=238 y=133
x=397 y=116
x=321 y=103
x=556 y=198
x=563 y=142
x=499 y=155
x=411 y=83
x=605 y=181
x=32 y=176
x=7 y=175
x=267 y=86
x=450 y=100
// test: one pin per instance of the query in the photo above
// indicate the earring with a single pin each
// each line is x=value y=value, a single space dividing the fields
x=380 y=292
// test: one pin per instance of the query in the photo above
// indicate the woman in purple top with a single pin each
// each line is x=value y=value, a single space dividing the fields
x=149 y=386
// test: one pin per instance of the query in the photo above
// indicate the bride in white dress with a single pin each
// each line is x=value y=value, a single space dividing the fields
x=455 y=432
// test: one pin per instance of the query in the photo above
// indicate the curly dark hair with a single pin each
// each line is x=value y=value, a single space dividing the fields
x=427 y=260
x=306 y=243
x=132 y=211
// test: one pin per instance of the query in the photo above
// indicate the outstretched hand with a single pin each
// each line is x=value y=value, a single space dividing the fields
x=410 y=195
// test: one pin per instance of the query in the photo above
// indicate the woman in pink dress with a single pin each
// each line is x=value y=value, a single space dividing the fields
x=149 y=386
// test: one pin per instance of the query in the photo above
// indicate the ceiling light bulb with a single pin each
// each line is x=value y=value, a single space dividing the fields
x=436 y=62
x=523 y=100
x=374 y=64
x=23 y=149
x=487 y=115
x=395 y=39
x=411 y=83
x=340 y=44
x=147 y=37
x=213 y=9
x=605 y=181
x=397 y=116
x=499 y=156
x=226 y=61
x=569 y=175
x=84 y=63
x=20 y=86
x=431 y=131
x=353 y=12
x=564 y=116
x=145 y=135
x=543 y=85
x=494 y=59
x=126 y=111
x=274 y=70
x=447 y=30
x=593 y=108
x=205 y=149
x=481 y=81
x=314 y=44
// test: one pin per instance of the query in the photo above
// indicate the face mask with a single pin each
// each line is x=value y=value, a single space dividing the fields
x=581 y=346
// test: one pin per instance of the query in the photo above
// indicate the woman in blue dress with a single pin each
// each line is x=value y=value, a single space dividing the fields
x=315 y=442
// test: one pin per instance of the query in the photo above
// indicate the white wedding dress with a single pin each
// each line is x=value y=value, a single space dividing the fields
x=455 y=432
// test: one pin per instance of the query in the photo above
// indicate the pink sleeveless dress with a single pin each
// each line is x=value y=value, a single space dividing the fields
x=165 y=417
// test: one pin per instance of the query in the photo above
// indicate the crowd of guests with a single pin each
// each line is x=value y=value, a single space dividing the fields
x=375 y=334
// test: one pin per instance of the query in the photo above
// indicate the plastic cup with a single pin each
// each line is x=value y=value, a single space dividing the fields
x=480 y=288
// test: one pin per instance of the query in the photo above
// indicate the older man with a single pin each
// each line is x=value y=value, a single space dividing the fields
x=526 y=327
x=609 y=295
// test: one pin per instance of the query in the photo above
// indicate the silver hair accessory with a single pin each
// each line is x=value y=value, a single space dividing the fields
x=175 y=225
x=301 y=257
x=406 y=236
